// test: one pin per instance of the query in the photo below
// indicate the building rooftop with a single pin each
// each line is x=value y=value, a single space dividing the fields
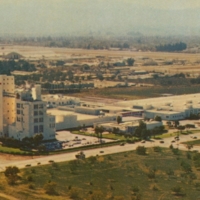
x=80 y=116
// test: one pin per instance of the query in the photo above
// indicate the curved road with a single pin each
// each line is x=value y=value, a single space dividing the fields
x=93 y=152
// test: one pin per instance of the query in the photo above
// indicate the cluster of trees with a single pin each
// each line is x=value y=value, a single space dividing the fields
x=130 y=61
x=32 y=142
x=142 y=132
x=172 y=47
x=6 y=67
x=195 y=80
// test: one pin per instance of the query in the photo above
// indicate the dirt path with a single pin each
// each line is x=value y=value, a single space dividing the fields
x=7 y=197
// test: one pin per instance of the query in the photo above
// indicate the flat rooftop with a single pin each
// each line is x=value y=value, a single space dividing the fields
x=80 y=116
x=177 y=101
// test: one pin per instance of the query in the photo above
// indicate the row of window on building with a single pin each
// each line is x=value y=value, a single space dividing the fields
x=38 y=129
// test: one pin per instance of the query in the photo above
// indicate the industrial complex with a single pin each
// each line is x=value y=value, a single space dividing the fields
x=27 y=112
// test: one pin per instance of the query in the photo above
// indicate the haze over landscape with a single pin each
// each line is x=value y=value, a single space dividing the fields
x=98 y=17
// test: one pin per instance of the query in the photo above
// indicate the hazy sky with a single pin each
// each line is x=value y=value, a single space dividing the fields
x=49 y=17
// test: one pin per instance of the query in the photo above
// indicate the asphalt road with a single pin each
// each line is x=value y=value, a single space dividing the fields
x=93 y=152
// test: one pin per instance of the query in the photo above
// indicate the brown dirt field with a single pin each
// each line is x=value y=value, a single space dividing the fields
x=56 y=51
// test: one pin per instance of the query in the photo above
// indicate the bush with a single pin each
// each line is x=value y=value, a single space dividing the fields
x=50 y=188
x=31 y=186
x=186 y=166
x=189 y=156
x=135 y=188
x=151 y=174
x=29 y=178
x=177 y=190
x=141 y=150
x=157 y=149
x=175 y=151
x=155 y=188
x=74 y=193
x=92 y=159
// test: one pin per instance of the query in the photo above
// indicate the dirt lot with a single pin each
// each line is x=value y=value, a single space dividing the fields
x=190 y=65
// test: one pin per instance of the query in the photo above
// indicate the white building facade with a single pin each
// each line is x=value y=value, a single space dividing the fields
x=31 y=116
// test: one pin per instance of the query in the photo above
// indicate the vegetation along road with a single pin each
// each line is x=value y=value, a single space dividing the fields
x=100 y=151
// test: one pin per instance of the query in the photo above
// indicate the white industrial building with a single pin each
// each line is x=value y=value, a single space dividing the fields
x=169 y=108
x=31 y=116
x=60 y=100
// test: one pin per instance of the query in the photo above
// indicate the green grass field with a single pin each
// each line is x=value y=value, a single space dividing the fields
x=140 y=92
x=123 y=176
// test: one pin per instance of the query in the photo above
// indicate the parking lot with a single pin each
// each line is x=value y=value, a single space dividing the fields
x=65 y=140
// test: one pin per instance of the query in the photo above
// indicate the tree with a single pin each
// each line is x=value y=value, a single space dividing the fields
x=99 y=130
x=37 y=139
x=11 y=174
x=176 y=123
x=158 y=118
x=119 y=119
x=180 y=128
x=130 y=61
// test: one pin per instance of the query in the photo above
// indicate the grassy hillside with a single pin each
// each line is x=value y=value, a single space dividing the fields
x=160 y=174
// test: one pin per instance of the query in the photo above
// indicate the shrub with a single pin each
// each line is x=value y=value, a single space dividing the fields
x=155 y=188
x=92 y=159
x=151 y=174
x=177 y=189
x=74 y=193
x=50 y=188
x=141 y=150
x=175 y=151
x=135 y=188
x=188 y=156
x=31 y=186
x=29 y=178
x=186 y=166
x=157 y=149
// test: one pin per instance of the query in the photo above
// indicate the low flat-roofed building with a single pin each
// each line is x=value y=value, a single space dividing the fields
x=130 y=126
x=164 y=114
x=69 y=119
